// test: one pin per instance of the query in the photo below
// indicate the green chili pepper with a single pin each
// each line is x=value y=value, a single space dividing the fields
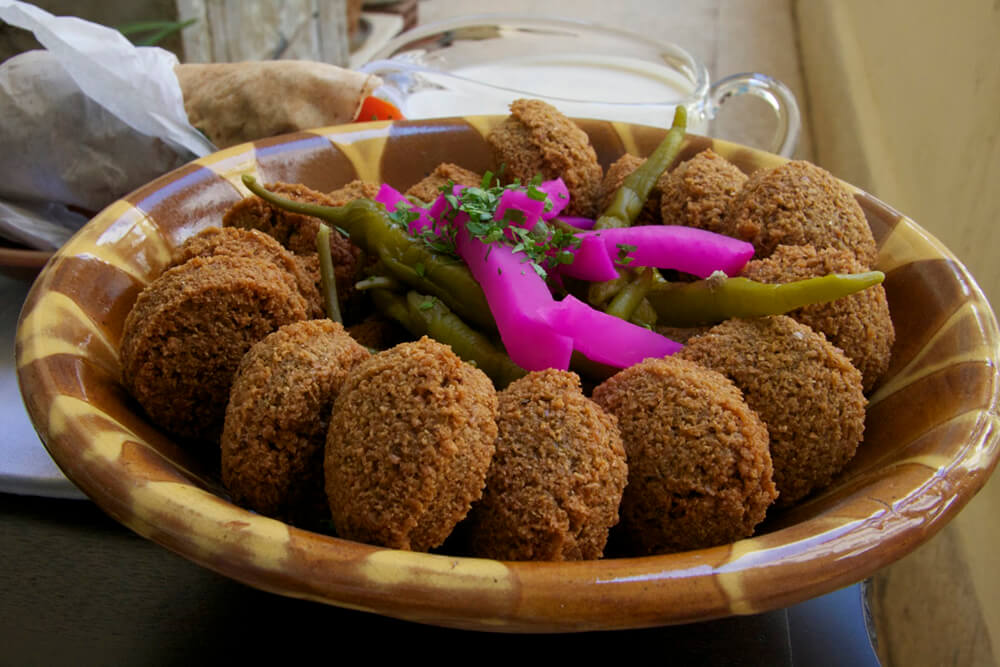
x=644 y=315
x=394 y=305
x=377 y=282
x=424 y=315
x=326 y=276
x=627 y=301
x=601 y=293
x=719 y=298
x=370 y=229
x=629 y=199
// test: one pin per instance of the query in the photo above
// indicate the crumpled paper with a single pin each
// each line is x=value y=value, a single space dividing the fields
x=83 y=123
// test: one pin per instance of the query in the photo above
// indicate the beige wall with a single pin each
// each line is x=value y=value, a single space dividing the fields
x=904 y=98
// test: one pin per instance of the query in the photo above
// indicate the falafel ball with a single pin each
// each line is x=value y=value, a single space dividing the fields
x=538 y=139
x=799 y=203
x=699 y=468
x=616 y=175
x=698 y=192
x=356 y=189
x=411 y=437
x=185 y=335
x=298 y=232
x=553 y=489
x=859 y=324
x=279 y=407
x=428 y=188
x=804 y=389
x=378 y=332
x=237 y=242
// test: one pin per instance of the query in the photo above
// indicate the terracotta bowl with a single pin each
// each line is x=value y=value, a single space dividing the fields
x=930 y=441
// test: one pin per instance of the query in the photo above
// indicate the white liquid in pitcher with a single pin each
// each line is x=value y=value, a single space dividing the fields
x=584 y=86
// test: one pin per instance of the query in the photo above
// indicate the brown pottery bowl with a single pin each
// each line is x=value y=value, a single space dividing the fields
x=930 y=439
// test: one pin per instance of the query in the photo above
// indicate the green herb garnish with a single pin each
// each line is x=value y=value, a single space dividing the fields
x=544 y=246
x=623 y=253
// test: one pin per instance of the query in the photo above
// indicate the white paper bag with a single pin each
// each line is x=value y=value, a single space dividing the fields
x=83 y=123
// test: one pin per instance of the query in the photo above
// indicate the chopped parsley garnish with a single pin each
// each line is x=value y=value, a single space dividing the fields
x=402 y=217
x=623 y=253
x=544 y=246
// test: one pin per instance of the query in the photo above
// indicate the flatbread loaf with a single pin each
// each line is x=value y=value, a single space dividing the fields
x=236 y=102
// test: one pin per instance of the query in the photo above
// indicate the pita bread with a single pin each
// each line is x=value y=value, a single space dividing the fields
x=237 y=102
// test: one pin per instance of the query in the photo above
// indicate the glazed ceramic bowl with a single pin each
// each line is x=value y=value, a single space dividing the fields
x=930 y=440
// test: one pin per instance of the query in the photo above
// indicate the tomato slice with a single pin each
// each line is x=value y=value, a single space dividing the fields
x=373 y=108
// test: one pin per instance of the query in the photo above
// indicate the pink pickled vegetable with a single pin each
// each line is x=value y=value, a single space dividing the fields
x=538 y=331
x=605 y=338
x=558 y=196
x=436 y=216
x=392 y=198
x=591 y=261
x=685 y=249
x=518 y=200
x=519 y=300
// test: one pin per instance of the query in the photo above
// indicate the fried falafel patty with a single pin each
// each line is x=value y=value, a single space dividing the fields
x=799 y=203
x=410 y=441
x=538 y=139
x=279 y=407
x=553 y=489
x=356 y=189
x=298 y=233
x=188 y=330
x=378 y=332
x=429 y=187
x=859 y=324
x=699 y=192
x=804 y=389
x=237 y=242
x=699 y=467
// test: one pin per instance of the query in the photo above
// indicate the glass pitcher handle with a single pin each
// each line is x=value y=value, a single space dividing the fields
x=777 y=95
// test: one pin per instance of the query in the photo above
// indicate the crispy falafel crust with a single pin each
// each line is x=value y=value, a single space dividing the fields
x=279 y=408
x=411 y=437
x=429 y=187
x=799 y=203
x=538 y=139
x=378 y=332
x=188 y=330
x=356 y=189
x=237 y=242
x=859 y=324
x=297 y=232
x=699 y=192
x=699 y=467
x=553 y=489
x=804 y=389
